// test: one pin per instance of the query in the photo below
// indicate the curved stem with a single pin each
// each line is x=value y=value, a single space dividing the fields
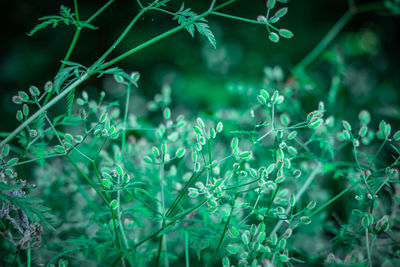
x=333 y=32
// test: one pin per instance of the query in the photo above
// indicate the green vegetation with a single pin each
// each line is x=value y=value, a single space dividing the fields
x=296 y=167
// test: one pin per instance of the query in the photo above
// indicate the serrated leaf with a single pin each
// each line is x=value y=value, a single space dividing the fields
x=186 y=17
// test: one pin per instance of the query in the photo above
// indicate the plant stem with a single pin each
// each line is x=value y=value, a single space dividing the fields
x=28 y=260
x=243 y=19
x=187 y=260
x=368 y=249
x=377 y=153
x=128 y=92
x=174 y=220
x=222 y=235
x=334 y=199
x=91 y=71
x=182 y=193
x=101 y=196
x=70 y=49
x=162 y=239
x=120 y=38
x=333 y=32
x=162 y=36
x=139 y=3
x=324 y=43
x=76 y=10
x=98 y=12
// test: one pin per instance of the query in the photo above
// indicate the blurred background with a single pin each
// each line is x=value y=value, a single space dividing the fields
x=367 y=48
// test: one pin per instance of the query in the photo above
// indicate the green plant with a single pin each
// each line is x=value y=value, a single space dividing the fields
x=236 y=185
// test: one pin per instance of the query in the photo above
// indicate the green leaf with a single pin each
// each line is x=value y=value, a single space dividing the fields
x=147 y=159
x=167 y=113
x=180 y=152
x=281 y=12
x=274 y=37
x=12 y=162
x=364 y=117
x=34 y=91
x=219 y=127
x=234 y=143
x=156 y=152
x=19 y=115
x=24 y=96
x=5 y=151
x=285 y=33
x=70 y=102
x=232 y=249
x=396 y=136
x=119 y=170
x=245 y=154
x=187 y=17
x=271 y=4
x=59 y=149
x=114 y=204
x=65 y=17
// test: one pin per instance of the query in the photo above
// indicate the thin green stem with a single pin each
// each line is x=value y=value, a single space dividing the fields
x=139 y=3
x=101 y=196
x=128 y=92
x=119 y=178
x=243 y=19
x=160 y=242
x=222 y=235
x=174 y=220
x=210 y=161
x=324 y=43
x=183 y=192
x=28 y=256
x=120 y=38
x=334 y=31
x=36 y=159
x=161 y=36
x=377 y=153
x=70 y=49
x=368 y=248
x=187 y=260
x=334 y=199
x=98 y=12
x=76 y=10
x=212 y=4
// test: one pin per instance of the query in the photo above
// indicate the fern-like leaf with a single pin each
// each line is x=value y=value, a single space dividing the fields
x=70 y=101
x=186 y=16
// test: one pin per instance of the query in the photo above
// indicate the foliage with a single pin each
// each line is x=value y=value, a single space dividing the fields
x=248 y=185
